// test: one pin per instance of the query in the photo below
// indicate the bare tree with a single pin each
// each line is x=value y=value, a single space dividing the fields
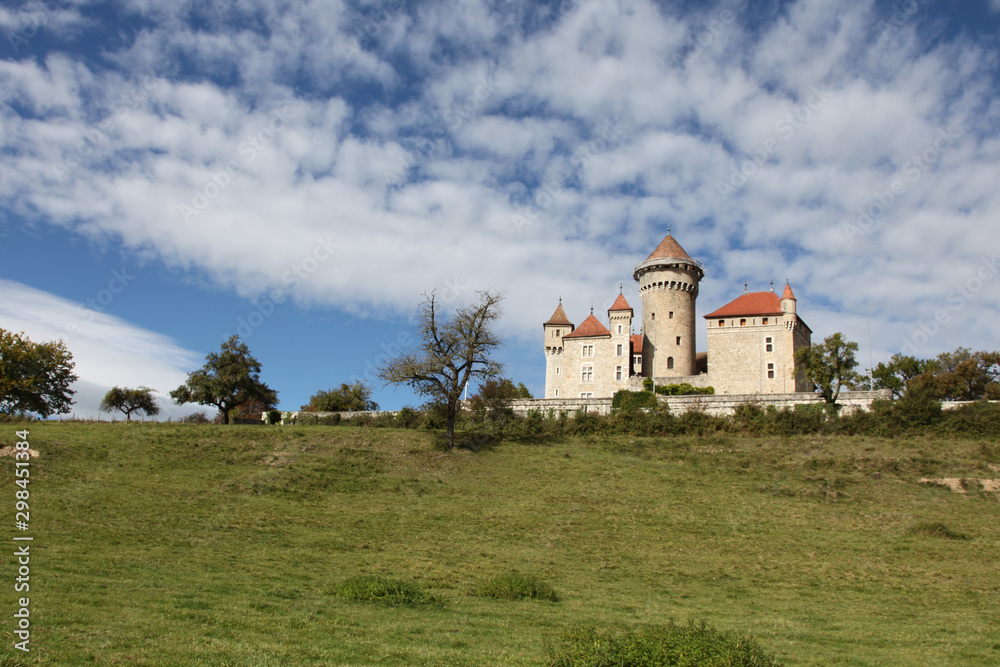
x=452 y=352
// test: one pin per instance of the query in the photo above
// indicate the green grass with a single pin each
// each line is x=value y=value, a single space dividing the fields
x=209 y=545
x=369 y=588
x=517 y=586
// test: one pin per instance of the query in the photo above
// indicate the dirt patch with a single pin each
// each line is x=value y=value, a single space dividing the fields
x=277 y=459
x=9 y=451
x=964 y=484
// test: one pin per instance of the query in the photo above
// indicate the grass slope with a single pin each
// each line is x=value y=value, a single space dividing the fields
x=206 y=545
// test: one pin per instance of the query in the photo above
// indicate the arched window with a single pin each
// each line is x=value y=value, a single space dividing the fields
x=670 y=363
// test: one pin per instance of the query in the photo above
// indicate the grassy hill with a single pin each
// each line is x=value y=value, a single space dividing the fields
x=207 y=545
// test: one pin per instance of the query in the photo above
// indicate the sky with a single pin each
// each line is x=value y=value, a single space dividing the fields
x=302 y=173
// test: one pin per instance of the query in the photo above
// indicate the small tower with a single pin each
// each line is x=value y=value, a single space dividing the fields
x=620 y=318
x=668 y=285
x=555 y=329
x=788 y=300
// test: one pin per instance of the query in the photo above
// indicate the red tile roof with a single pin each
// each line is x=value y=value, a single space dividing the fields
x=788 y=292
x=620 y=304
x=754 y=303
x=591 y=327
x=636 y=343
x=669 y=247
x=559 y=317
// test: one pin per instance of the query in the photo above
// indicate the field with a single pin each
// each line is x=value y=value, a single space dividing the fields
x=171 y=544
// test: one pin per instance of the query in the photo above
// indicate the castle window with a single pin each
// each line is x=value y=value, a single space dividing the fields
x=586 y=394
x=587 y=351
x=619 y=349
x=557 y=370
x=678 y=340
x=722 y=323
x=670 y=363
x=618 y=373
x=619 y=328
x=671 y=316
x=652 y=316
x=637 y=360
x=764 y=321
x=556 y=333
x=587 y=374
x=769 y=347
x=770 y=371
x=743 y=322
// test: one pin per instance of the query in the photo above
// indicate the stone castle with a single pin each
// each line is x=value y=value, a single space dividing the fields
x=751 y=340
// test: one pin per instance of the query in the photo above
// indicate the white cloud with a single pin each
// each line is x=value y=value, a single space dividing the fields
x=462 y=159
x=107 y=351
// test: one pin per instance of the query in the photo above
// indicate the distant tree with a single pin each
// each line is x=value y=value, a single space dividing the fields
x=964 y=375
x=898 y=375
x=252 y=411
x=452 y=352
x=228 y=379
x=128 y=400
x=34 y=377
x=356 y=396
x=492 y=401
x=829 y=365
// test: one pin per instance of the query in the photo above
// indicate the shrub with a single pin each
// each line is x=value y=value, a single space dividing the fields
x=980 y=419
x=749 y=417
x=657 y=645
x=408 y=418
x=628 y=401
x=514 y=586
x=273 y=417
x=935 y=529
x=371 y=588
x=197 y=418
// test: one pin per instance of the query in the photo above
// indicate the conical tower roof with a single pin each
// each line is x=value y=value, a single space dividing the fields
x=559 y=317
x=620 y=304
x=669 y=247
x=788 y=292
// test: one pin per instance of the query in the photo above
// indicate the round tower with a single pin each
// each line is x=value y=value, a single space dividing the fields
x=668 y=286
x=788 y=300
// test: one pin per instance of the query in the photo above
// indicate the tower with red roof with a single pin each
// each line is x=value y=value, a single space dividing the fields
x=668 y=286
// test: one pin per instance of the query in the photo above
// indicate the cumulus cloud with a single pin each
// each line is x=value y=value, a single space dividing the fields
x=433 y=144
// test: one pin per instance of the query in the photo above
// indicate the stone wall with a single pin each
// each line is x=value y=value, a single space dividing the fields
x=718 y=404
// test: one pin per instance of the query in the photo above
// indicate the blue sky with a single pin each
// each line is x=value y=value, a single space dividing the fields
x=170 y=169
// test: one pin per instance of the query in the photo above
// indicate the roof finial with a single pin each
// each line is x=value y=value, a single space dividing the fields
x=772 y=286
x=621 y=287
x=668 y=229
x=744 y=287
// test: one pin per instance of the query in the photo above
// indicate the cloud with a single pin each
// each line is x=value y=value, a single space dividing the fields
x=764 y=144
x=107 y=351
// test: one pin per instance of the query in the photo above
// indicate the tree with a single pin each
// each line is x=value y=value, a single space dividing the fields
x=129 y=400
x=494 y=397
x=964 y=375
x=899 y=374
x=228 y=379
x=451 y=353
x=34 y=377
x=356 y=396
x=829 y=365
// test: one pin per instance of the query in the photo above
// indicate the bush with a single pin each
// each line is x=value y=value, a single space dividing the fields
x=197 y=418
x=935 y=529
x=628 y=401
x=371 y=588
x=514 y=586
x=980 y=419
x=684 y=389
x=655 y=646
x=408 y=418
x=273 y=417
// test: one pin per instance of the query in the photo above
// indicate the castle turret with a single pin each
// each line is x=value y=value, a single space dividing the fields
x=555 y=329
x=668 y=285
x=788 y=300
x=620 y=317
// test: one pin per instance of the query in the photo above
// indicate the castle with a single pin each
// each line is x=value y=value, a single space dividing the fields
x=751 y=340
